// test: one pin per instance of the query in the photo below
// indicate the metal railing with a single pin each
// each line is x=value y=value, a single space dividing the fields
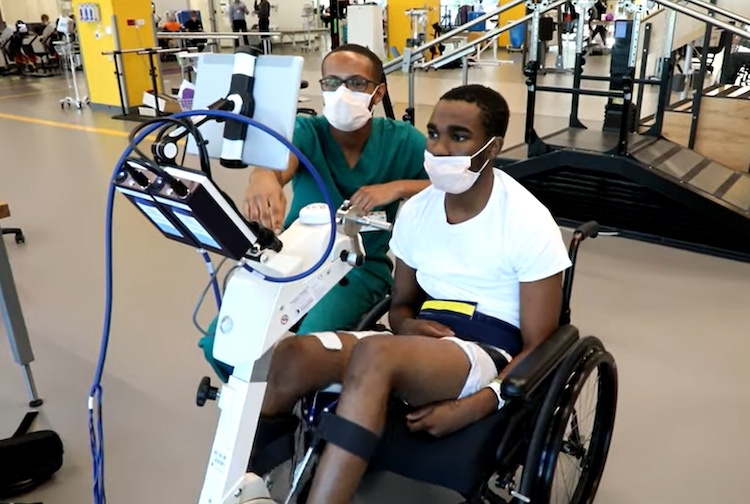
x=705 y=17
x=396 y=63
x=719 y=10
x=445 y=58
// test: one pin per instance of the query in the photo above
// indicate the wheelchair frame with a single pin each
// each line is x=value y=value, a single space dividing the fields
x=541 y=392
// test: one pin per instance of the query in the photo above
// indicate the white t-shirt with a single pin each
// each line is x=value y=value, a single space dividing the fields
x=483 y=260
x=49 y=29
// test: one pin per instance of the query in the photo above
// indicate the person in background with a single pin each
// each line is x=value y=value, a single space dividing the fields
x=49 y=28
x=171 y=24
x=15 y=47
x=325 y=16
x=263 y=9
x=49 y=35
x=237 y=16
x=597 y=13
x=195 y=25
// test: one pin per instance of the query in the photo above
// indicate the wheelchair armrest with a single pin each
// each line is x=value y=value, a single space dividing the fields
x=525 y=377
x=588 y=229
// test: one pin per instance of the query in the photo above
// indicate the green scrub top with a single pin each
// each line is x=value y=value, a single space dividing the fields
x=394 y=151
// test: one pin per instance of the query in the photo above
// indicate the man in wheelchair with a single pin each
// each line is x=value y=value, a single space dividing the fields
x=477 y=288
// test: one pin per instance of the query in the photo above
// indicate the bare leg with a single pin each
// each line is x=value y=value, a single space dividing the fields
x=301 y=365
x=419 y=369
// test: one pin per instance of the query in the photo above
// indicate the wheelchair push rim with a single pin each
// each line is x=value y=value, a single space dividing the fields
x=559 y=440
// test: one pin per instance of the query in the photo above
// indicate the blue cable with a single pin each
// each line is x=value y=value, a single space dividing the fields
x=310 y=168
x=212 y=276
x=95 y=421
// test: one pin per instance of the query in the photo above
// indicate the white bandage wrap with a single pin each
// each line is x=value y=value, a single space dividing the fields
x=330 y=340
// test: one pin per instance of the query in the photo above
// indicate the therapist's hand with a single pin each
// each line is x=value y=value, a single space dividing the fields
x=265 y=201
x=369 y=197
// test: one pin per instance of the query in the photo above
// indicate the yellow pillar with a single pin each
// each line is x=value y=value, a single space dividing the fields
x=134 y=26
x=506 y=17
x=399 y=24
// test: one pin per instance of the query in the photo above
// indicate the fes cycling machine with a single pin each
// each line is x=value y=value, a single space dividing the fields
x=255 y=313
x=277 y=281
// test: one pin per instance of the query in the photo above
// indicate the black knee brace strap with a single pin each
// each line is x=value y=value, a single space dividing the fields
x=347 y=435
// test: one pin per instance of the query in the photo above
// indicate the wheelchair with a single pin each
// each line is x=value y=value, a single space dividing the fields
x=537 y=433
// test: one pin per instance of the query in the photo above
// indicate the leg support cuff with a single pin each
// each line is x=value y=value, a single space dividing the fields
x=347 y=435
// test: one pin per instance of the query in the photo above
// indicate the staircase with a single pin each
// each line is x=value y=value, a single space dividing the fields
x=722 y=133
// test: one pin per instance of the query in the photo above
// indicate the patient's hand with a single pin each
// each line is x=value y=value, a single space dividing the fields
x=369 y=197
x=418 y=327
x=265 y=201
x=441 y=419
x=447 y=417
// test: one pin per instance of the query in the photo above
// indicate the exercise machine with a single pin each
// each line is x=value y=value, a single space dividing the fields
x=288 y=273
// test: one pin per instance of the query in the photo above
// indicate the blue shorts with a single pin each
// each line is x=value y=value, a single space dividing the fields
x=478 y=328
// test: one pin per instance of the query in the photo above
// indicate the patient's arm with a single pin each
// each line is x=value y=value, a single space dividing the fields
x=540 y=317
x=406 y=302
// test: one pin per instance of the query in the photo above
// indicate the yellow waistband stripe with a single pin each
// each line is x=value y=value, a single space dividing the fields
x=452 y=306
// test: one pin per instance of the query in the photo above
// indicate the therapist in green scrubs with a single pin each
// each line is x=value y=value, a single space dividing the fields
x=373 y=162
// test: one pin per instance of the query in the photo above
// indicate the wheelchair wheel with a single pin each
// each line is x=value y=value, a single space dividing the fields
x=572 y=434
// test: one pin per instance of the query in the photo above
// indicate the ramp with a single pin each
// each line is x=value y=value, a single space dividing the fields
x=661 y=192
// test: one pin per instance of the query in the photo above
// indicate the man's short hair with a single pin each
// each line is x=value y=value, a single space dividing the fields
x=377 y=64
x=495 y=111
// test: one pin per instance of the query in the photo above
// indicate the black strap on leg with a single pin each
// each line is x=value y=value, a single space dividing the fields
x=347 y=435
x=274 y=443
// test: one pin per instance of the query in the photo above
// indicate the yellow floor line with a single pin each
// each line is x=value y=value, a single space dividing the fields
x=64 y=125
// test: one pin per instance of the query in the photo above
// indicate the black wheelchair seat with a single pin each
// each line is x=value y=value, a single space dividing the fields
x=459 y=461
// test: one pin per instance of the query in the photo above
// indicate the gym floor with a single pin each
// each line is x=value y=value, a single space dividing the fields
x=675 y=321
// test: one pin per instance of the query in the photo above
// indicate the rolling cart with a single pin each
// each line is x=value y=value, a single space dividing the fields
x=69 y=63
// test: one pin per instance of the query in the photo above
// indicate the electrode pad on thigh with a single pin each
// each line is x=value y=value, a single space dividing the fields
x=329 y=339
x=332 y=341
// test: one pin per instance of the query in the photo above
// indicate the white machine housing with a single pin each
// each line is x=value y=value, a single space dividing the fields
x=254 y=316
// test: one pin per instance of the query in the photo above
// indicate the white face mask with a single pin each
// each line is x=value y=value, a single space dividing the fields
x=452 y=174
x=347 y=110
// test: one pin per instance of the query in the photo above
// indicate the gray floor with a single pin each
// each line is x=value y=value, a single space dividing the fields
x=675 y=321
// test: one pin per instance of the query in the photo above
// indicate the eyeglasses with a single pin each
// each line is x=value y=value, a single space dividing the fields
x=354 y=83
